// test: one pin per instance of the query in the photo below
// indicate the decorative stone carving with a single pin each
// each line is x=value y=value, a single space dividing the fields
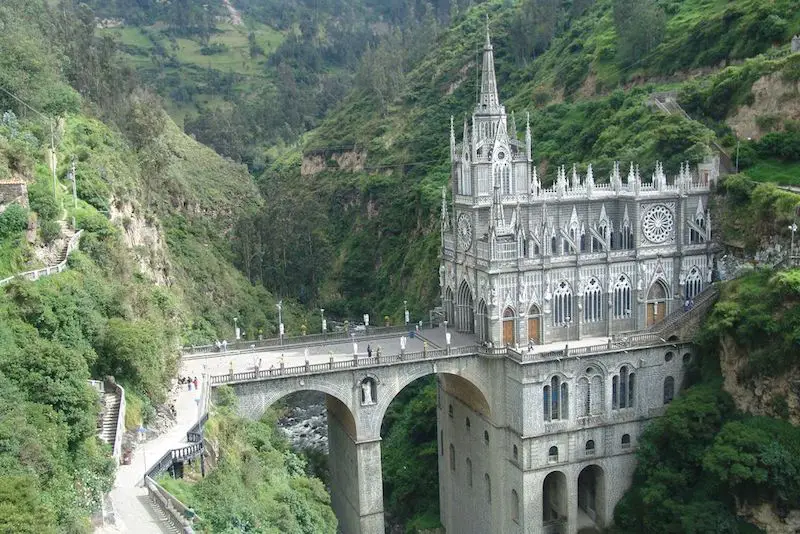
x=658 y=224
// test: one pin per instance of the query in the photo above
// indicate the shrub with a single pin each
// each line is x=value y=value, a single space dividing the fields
x=50 y=231
x=14 y=219
x=42 y=202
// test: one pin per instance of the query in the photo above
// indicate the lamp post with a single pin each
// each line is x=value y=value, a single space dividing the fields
x=322 y=316
x=279 y=305
x=236 y=328
x=405 y=312
x=793 y=228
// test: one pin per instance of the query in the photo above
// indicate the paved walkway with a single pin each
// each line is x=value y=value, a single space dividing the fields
x=133 y=512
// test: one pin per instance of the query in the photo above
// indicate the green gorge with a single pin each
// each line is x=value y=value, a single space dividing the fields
x=229 y=156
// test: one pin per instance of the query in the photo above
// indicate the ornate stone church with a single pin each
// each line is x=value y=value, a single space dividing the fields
x=585 y=257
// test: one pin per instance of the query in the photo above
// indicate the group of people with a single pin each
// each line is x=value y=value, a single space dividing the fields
x=377 y=351
x=688 y=305
x=188 y=380
x=222 y=346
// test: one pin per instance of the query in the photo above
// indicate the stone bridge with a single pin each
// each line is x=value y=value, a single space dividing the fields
x=498 y=392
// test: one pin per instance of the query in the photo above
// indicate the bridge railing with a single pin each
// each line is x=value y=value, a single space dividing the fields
x=52 y=269
x=335 y=365
x=294 y=341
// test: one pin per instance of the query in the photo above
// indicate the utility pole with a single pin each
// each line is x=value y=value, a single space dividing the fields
x=74 y=190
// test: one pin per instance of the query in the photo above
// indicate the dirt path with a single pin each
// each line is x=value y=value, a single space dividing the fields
x=236 y=17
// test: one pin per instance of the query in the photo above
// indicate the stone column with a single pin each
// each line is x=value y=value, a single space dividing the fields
x=370 y=488
x=572 y=500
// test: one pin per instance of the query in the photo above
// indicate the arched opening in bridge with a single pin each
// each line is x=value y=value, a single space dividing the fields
x=554 y=500
x=656 y=302
x=591 y=499
x=321 y=429
x=465 y=319
x=443 y=408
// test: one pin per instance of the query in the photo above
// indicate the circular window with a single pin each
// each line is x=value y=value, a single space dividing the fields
x=501 y=155
x=658 y=224
x=668 y=356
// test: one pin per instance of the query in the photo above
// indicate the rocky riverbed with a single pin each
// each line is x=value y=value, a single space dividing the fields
x=306 y=422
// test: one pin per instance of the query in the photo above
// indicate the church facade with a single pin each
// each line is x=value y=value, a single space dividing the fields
x=551 y=448
x=526 y=263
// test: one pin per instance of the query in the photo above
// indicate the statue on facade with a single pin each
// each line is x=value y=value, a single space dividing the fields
x=366 y=392
x=441 y=275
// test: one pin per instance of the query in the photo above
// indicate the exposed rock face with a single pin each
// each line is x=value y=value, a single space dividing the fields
x=758 y=396
x=773 y=96
x=351 y=161
x=143 y=237
x=764 y=517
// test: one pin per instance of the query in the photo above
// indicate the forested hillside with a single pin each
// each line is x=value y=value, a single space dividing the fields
x=365 y=184
x=153 y=270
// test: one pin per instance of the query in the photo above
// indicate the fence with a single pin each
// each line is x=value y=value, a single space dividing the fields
x=117 y=445
x=238 y=347
x=46 y=271
x=375 y=361
x=178 y=514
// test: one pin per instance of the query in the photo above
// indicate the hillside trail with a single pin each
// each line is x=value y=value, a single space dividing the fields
x=236 y=17
x=132 y=509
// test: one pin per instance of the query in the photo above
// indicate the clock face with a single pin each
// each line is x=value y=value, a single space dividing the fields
x=464 y=231
x=658 y=224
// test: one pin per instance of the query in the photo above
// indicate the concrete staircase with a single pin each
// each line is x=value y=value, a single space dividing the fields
x=107 y=426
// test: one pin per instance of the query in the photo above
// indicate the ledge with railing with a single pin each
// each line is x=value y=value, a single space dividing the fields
x=242 y=346
x=46 y=271
x=179 y=515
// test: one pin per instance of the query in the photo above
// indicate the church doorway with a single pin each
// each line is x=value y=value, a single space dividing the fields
x=554 y=502
x=534 y=325
x=508 y=327
x=591 y=499
x=465 y=319
x=482 y=322
x=656 y=302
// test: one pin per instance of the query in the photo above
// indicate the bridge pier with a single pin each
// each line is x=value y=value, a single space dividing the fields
x=356 y=479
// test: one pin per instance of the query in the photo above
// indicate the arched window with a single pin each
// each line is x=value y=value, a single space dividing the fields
x=694 y=283
x=488 y=483
x=562 y=304
x=546 y=403
x=597 y=395
x=469 y=472
x=514 y=506
x=590 y=447
x=603 y=231
x=623 y=388
x=669 y=389
x=668 y=356
x=502 y=176
x=622 y=298
x=584 y=397
x=592 y=301
x=694 y=235
x=626 y=441
x=452 y=458
x=553 y=246
x=552 y=454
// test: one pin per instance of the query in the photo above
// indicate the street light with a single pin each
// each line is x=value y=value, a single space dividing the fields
x=322 y=316
x=793 y=228
x=405 y=311
x=236 y=328
x=279 y=305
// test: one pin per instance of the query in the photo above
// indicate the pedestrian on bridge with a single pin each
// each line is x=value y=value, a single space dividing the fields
x=369 y=351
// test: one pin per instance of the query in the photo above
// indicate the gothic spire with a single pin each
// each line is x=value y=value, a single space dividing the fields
x=445 y=216
x=488 y=99
x=528 y=136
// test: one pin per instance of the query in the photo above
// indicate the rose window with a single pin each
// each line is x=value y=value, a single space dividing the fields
x=658 y=224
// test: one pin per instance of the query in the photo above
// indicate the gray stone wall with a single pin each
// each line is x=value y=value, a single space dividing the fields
x=13 y=192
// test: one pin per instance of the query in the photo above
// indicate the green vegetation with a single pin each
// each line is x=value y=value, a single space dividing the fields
x=704 y=461
x=259 y=484
x=409 y=458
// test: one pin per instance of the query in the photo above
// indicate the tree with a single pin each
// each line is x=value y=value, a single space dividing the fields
x=13 y=220
x=640 y=26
